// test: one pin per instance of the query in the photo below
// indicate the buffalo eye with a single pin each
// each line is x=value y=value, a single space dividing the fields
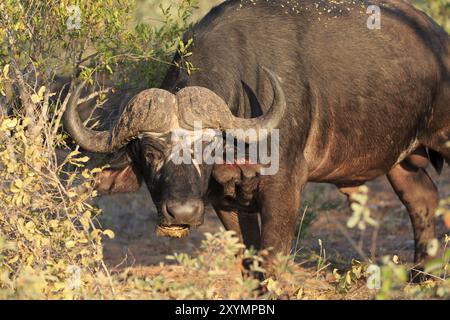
x=153 y=158
x=150 y=156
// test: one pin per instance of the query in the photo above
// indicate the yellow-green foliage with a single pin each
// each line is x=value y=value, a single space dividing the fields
x=46 y=225
x=343 y=283
x=439 y=10
x=50 y=246
x=214 y=273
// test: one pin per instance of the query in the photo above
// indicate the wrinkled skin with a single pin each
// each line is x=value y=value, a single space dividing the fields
x=362 y=103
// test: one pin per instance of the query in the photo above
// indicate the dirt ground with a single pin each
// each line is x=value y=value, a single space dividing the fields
x=133 y=219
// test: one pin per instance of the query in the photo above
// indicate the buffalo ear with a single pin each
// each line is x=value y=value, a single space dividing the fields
x=121 y=180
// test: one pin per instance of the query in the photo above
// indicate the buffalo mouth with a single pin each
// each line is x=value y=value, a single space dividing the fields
x=173 y=231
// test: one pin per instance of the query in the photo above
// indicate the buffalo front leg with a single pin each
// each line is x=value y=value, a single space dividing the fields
x=420 y=196
x=246 y=226
x=279 y=202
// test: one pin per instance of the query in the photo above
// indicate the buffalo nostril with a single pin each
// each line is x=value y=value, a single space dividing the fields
x=185 y=212
x=170 y=210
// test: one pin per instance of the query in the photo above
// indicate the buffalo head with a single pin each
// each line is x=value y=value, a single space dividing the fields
x=143 y=137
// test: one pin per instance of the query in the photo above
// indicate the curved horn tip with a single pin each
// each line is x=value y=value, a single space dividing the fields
x=90 y=140
x=78 y=88
x=271 y=73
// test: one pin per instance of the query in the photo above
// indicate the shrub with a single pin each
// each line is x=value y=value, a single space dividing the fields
x=439 y=10
x=50 y=243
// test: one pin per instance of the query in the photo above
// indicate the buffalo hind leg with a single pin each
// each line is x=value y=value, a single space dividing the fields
x=420 y=196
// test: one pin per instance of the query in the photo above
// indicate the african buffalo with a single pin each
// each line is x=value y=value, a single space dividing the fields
x=352 y=103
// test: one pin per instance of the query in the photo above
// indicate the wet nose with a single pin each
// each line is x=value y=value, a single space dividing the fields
x=188 y=212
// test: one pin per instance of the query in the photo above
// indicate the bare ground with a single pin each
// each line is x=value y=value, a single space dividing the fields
x=133 y=218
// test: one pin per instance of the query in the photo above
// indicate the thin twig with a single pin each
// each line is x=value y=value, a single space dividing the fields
x=427 y=274
x=350 y=240
x=376 y=231
x=93 y=95
x=299 y=232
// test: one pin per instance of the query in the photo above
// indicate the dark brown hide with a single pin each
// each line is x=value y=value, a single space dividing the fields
x=420 y=196
x=111 y=181
x=360 y=101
